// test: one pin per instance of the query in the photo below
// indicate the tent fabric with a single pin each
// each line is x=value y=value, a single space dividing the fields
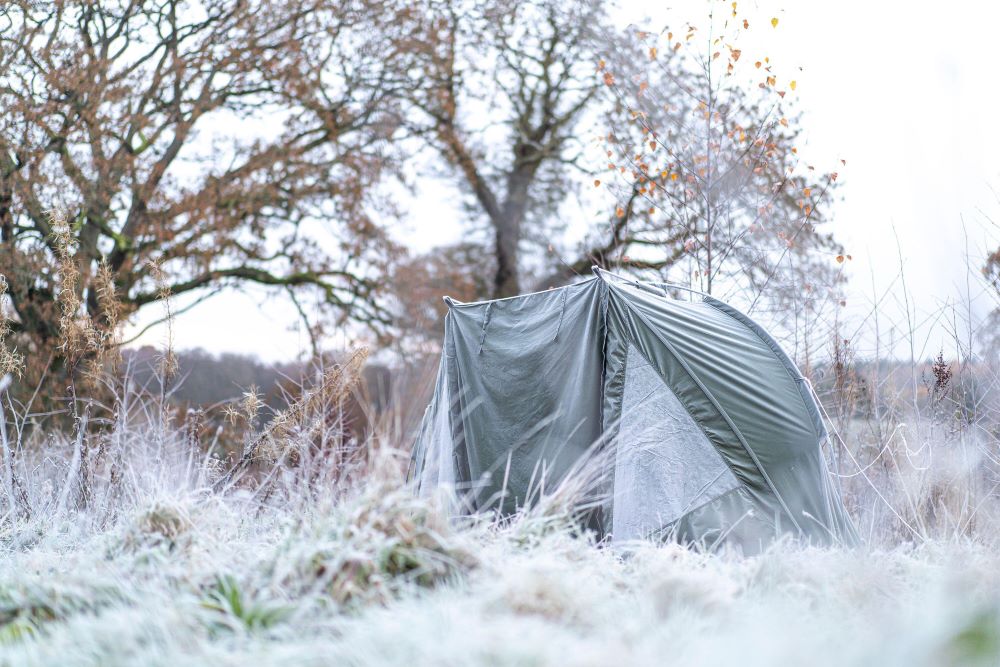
x=711 y=432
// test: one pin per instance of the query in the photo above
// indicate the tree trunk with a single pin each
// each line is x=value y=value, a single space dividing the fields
x=507 y=225
x=507 y=280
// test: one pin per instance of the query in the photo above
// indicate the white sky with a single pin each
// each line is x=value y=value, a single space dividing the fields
x=904 y=91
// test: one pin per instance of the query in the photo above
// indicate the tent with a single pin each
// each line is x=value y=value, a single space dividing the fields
x=709 y=431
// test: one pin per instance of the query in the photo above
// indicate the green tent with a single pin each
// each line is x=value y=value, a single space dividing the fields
x=708 y=430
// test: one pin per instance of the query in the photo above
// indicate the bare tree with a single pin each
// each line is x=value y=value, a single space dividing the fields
x=196 y=145
x=502 y=89
x=702 y=165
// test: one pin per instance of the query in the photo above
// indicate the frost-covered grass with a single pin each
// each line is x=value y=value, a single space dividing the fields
x=176 y=573
x=383 y=580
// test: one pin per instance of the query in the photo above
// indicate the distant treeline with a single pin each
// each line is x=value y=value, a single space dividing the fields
x=205 y=379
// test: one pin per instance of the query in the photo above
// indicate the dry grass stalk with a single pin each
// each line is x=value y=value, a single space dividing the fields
x=105 y=361
x=304 y=418
x=168 y=362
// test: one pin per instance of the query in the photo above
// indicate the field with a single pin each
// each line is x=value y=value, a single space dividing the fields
x=170 y=562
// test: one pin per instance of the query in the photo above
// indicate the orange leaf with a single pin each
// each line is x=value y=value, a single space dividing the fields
x=597 y=182
x=840 y=259
x=807 y=191
x=620 y=212
x=746 y=24
x=652 y=53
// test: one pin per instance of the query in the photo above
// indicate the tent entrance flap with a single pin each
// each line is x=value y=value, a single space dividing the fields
x=665 y=466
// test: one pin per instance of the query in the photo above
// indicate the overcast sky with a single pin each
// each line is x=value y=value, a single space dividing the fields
x=905 y=92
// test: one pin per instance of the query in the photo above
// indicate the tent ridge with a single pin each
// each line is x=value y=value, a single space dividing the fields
x=453 y=303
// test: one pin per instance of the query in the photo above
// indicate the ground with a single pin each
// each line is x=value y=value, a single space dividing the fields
x=379 y=577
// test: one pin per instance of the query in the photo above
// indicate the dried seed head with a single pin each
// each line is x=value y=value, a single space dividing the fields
x=77 y=333
x=942 y=373
x=11 y=362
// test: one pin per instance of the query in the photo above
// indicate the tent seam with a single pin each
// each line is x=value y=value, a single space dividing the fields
x=486 y=323
x=562 y=313
x=605 y=441
x=715 y=403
